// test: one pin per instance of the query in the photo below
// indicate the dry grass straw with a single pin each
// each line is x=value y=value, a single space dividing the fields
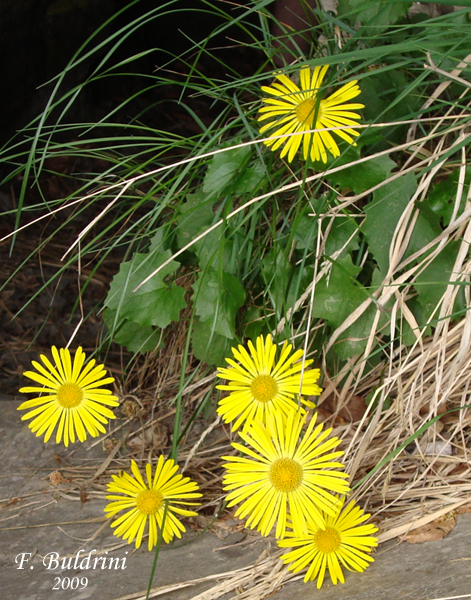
x=431 y=476
x=422 y=381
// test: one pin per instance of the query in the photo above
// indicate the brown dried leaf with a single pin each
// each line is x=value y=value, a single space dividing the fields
x=151 y=437
x=56 y=478
x=442 y=407
x=351 y=412
x=323 y=415
x=221 y=527
x=433 y=531
x=354 y=410
x=109 y=444
x=466 y=508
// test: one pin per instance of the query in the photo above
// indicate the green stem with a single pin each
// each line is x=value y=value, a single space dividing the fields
x=177 y=422
x=173 y=454
x=157 y=550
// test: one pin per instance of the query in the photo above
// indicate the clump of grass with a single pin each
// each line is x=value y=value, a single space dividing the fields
x=362 y=261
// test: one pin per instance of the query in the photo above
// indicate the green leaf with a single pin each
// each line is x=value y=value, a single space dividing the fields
x=379 y=93
x=364 y=176
x=159 y=242
x=378 y=15
x=338 y=296
x=213 y=248
x=300 y=279
x=155 y=303
x=426 y=228
x=432 y=282
x=158 y=308
x=283 y=282
x=355 y=338
x=209 y=346
x=223 y=168
x=344 y=232
x=442 y=198
x=196 y=214
x=306 y=230
x=254 y=323
x=132 y=335
x=217 y=297
x=249 y=180
x=383 y=214
x=277 y=272
x=409 y=336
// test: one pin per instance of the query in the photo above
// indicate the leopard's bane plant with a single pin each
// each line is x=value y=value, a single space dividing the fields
x=281 y=472
x=345 y=540
x=72 y=397
x=144 y=502
x=291 y=110
x=260 y=384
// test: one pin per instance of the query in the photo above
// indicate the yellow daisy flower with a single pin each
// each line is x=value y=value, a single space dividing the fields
x=344 y=541
x=285 y=472
x=258 y=386
x=73 y=397
x=294 y=110
x=147 y=501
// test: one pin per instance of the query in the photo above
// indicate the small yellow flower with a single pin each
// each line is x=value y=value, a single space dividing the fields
x=294 y=110
x=146 y=501
x=258 y=386
x=286 y=472
x=73 y=397
x=344 y=541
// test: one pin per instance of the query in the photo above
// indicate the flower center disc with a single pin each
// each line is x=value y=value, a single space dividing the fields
x=305 y=112
x=69 y=395
x=149 y=501
x=327 y=540
x=286 y=474
x=264 y=388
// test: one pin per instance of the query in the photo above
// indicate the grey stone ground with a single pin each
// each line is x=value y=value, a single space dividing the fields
x=44 y=522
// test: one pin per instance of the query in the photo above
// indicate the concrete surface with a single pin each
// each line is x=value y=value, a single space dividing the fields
x=43 y=521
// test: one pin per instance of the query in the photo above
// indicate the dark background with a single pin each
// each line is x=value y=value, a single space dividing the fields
x=39 y=37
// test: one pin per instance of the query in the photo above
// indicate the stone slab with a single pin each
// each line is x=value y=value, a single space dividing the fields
x=401 y=571
x=44 y=522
